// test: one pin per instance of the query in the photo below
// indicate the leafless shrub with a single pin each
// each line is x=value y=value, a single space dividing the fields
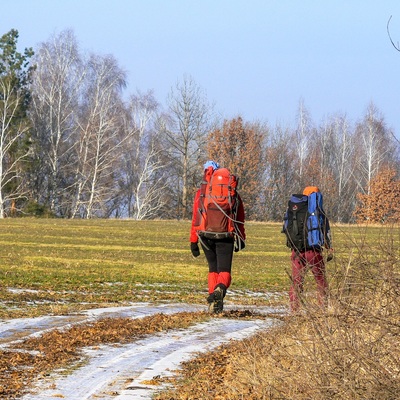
x=349 y=351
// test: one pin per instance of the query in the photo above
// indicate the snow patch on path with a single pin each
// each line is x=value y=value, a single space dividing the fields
x=22 y=328
x=124 y=372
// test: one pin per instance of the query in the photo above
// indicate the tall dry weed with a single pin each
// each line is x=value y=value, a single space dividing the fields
x=348 y=351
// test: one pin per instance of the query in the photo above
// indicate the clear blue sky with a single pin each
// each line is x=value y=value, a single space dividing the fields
x=256 y=58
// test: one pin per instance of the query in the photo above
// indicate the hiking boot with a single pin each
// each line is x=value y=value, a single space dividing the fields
x=211 y=303
x=210 y=298
x=218 y=301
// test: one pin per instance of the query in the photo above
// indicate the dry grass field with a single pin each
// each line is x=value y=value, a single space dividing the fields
x=349 y=351
x=57 y=266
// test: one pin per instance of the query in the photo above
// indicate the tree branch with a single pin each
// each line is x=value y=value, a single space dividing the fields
x=397 y=47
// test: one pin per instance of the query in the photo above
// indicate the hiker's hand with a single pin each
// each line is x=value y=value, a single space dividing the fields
x=194 y=248
x=330 y=255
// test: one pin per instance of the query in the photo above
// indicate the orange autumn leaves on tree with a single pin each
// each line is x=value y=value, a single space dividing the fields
x=381 y=205
x=238 y=147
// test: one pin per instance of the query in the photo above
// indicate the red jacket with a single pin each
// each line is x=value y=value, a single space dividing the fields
x=240 y=217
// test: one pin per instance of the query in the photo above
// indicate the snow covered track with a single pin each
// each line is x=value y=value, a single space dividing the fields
x=24 y=327
x=128 y=371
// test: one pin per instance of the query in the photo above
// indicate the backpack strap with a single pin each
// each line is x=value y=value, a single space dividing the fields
x=296 y=199
x=295 y=225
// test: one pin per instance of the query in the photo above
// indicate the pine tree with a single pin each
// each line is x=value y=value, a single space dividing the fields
x=14 y=128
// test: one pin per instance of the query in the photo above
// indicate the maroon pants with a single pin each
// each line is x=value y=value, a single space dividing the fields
x=301 y=263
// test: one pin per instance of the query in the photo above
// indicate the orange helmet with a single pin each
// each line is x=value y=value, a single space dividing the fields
x=310 y=189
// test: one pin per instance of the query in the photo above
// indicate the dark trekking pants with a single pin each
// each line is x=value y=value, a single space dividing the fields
x=219 y=255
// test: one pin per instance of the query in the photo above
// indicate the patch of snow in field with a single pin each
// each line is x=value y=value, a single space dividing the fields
x=19 y=290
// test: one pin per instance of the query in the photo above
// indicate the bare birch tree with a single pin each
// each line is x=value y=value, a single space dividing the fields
x=185 y=133
x=143 y=165
x=342 y=153
x=301 y=140
x=100 y=141
x=280 y=177
x=56 y=88
x=150 y=184
x=374 y=147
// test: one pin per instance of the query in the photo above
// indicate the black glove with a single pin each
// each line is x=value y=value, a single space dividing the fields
x=239 y=245
x=330 y=255
x=194 y=248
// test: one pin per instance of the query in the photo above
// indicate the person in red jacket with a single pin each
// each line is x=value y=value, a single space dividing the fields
x=218 y=247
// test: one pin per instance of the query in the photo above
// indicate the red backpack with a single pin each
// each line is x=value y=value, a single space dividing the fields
x=217 y=204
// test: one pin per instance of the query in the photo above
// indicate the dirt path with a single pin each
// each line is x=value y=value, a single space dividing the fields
x=128 y=371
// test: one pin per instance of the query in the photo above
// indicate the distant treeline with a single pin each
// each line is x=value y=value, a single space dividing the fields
x=74 y=145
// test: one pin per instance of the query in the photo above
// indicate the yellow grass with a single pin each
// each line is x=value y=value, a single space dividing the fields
x=349 y=351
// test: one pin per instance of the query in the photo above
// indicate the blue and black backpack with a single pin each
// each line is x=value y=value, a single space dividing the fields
x=304 y=222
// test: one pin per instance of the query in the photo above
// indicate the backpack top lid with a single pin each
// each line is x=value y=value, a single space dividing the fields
x=222 y=176
x=222 y=172
x=310 y=189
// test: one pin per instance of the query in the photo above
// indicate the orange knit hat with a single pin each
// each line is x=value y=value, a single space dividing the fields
x=310 y=189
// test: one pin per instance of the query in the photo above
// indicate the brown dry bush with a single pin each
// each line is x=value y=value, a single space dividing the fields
x=348 y=351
